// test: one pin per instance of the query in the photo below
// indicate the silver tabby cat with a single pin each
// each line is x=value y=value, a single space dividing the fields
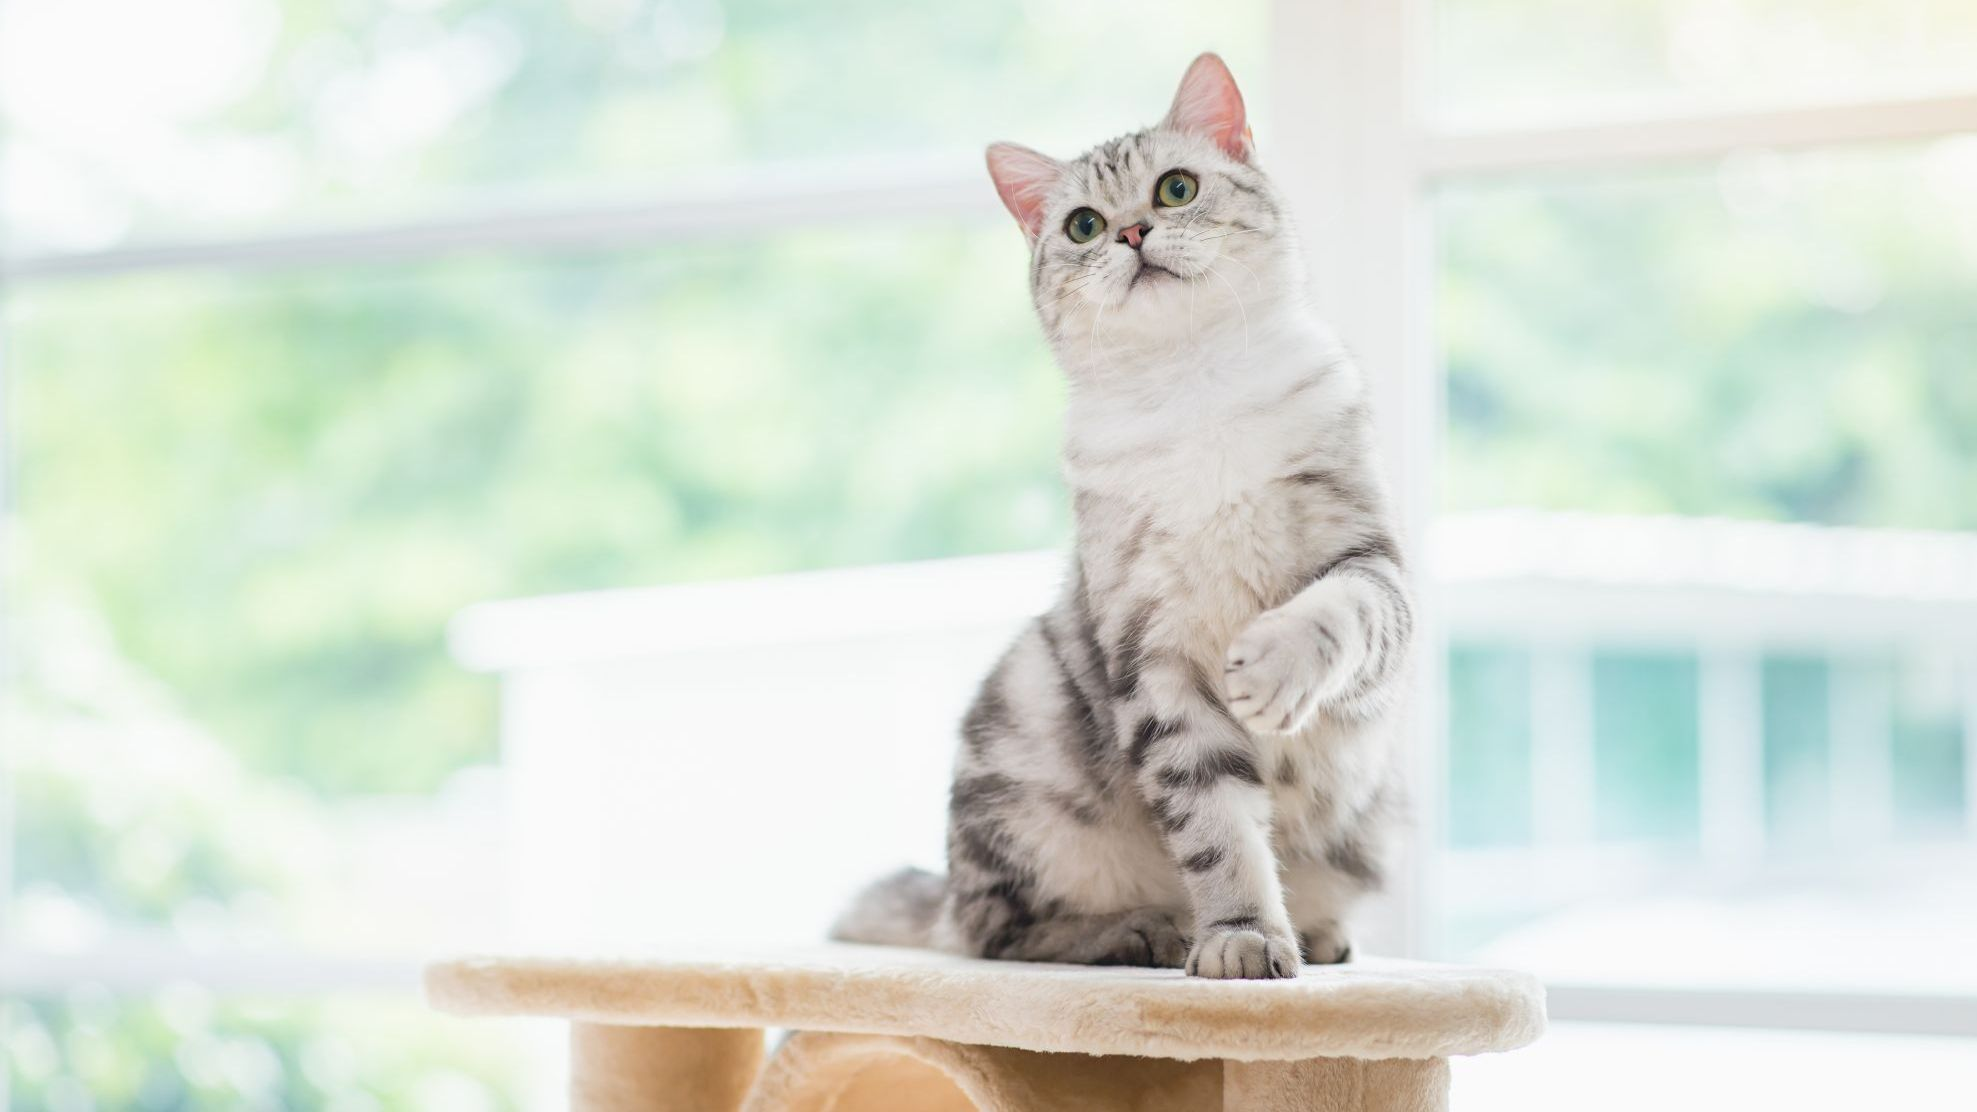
x=1189 y=760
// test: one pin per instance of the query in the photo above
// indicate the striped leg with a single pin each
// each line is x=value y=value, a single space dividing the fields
x=1198 y=772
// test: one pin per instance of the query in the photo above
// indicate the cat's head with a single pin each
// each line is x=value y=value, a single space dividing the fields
x=1154 y=234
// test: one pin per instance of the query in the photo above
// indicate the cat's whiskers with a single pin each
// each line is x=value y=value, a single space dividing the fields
x=1074 y=287
x=1199 y=208
x=1091 y=348
x=1191 y=314
x=1239 y=306
x=1256 y=280
x=1225 y=235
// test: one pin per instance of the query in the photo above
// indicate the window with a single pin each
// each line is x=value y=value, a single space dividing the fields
x=1738 y=372
x=1674 y=361
x=335 y=320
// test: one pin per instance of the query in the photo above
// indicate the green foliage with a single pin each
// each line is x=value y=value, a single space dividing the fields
x=1775 y=338
x=184 y=1050
x=262 y=496
x=131 y=823
x=279 y=490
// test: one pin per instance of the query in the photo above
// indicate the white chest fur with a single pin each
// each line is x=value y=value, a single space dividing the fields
x=1189 y=473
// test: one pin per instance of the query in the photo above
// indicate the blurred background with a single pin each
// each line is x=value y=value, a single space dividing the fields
x=692 y=329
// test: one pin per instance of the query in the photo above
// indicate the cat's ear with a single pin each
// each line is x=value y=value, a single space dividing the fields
x=1208 y=103
x=1023 y=179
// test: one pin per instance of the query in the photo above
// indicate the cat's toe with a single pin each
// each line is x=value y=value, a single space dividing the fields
x=1325 y=944
x=1270 y=675
x=1146 y=938
x=1228 y=954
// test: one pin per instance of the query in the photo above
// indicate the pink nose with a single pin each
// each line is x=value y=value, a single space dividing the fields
x=1132 y=236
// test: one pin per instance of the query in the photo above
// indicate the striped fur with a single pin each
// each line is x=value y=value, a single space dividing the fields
x=1188 y=760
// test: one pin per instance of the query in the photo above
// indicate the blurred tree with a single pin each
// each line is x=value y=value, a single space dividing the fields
x=125 y=811
x=279 y=492
x=1776 y=338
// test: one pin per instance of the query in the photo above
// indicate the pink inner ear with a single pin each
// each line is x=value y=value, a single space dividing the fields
x=1023 y=178
x=1208 y=103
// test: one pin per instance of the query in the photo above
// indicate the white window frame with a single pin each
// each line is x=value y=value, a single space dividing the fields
x=1353 y=142
x=1361 y=166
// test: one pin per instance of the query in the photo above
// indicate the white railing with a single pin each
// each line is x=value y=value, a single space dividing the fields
x=1525 y=576
x=1561 y=585
x=1565 y=584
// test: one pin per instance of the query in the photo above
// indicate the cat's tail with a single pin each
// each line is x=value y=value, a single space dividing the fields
x=898 y=910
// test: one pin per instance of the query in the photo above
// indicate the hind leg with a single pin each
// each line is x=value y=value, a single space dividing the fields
x=1043 y=870
x=1001 y=923
x=1320 y=897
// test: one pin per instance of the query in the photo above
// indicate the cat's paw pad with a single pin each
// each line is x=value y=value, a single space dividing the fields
x=1277 y=668
x=1144 y=938
x=1237 y=952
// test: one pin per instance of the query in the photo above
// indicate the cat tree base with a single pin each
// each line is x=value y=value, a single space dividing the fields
x=617 y=1068
x=885 y=1073
x=880 y=1029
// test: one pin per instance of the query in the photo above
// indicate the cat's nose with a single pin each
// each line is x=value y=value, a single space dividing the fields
x=1131 y=236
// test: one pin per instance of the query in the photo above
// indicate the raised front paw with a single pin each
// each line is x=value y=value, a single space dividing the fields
x=1280 y=667
x=1230 y=952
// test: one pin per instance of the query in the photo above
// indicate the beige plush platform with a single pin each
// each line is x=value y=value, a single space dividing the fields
x=882 y=1028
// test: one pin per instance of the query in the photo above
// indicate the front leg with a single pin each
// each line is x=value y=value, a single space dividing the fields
x=1338 y=643
x=1196 y=768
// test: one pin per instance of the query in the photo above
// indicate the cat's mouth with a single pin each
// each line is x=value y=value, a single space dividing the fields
x=1148 y=272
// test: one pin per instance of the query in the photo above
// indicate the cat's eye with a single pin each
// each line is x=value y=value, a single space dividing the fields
x=1176 y=189
x=1083 y=226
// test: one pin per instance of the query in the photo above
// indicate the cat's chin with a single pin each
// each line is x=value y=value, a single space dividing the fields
x=1150 y=275
x=1159 y=302
x=1157 y=292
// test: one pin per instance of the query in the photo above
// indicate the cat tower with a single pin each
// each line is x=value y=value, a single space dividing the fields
x=875 y=1029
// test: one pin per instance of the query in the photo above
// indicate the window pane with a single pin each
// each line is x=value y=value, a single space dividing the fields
x=1774 y=337
x=1928 y=747
x=1489 y=745
x=1845 y=856
x=1797 y=771
x=228 y=113
x=1772 y=721
x=247 y=506
x=1644 y=746
x=1628 y=57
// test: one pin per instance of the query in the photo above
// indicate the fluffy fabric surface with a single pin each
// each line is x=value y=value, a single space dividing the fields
x=1371 y=1008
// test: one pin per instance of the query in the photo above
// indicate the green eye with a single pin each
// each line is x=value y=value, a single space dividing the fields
x=1084 y=226
x=1176 y=189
